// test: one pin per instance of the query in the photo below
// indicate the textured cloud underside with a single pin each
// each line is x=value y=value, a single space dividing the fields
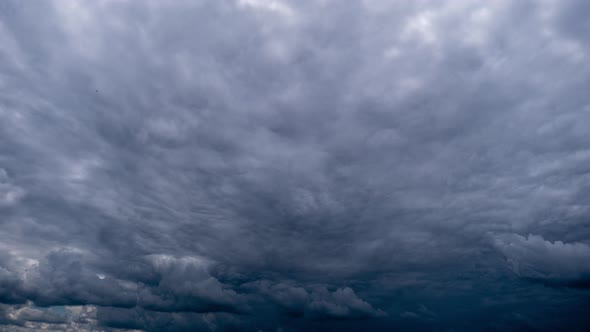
x=266 y=165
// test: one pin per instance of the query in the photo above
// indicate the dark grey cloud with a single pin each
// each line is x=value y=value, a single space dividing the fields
x=318 y=302
x=268 y=165
x=558 y=262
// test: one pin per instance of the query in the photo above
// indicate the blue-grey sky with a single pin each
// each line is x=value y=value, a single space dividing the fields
x=273 y=165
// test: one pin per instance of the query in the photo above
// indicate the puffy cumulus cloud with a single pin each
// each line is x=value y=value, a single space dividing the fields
x=185 y=285
x=536 y=258
x=317 y=302
x=26 y=317
x=297 y=165
x=70 y=277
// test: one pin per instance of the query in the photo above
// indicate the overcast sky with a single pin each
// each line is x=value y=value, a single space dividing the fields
x=315 y=165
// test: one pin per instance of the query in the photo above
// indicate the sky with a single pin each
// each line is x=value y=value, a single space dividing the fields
x=278 y=166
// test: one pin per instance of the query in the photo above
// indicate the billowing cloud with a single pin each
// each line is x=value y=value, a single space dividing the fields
x=276 y=165
x=317 y=303
x=536 y=258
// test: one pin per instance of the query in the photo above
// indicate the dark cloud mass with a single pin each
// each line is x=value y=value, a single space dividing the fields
x=275 y=165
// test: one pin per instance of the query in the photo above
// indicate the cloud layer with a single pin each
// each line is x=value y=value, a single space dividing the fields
x=536 y=258
x=267 y=165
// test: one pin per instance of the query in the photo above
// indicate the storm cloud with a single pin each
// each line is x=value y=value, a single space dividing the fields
x=270 y=165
